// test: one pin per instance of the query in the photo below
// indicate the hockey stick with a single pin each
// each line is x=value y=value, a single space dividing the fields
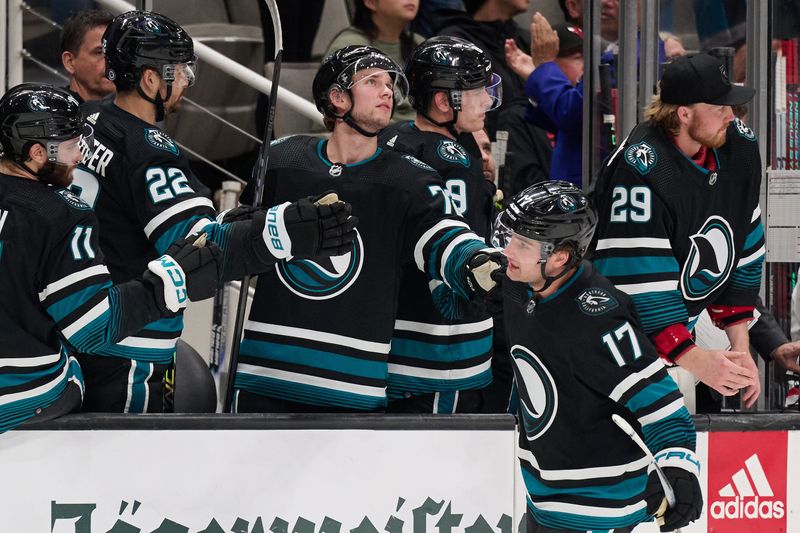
x=669 y=494
x=259 y=174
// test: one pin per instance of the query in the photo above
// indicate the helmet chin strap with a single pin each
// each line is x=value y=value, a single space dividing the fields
x=161 y=111
x=449 y=125
x=348 y=119
x=548 y=280
x=51 y=173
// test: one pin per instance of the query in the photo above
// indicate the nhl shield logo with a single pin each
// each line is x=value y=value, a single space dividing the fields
x=323 y=278
x=538 y=396
x=596 y=301
x=452 y=152
x=158 y=139
x=642 y=157
x=710 y=259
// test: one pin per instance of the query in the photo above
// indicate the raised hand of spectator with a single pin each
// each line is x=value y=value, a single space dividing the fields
x=517 y=60
x=786 y=356
x=544 y=40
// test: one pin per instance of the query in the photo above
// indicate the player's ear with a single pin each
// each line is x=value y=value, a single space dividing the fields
x=66 y=62
x=339 y=99
x=441 y=102
x=684 y=114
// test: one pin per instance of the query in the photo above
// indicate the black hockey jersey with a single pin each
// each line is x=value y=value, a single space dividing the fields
x=678 y=237
x=320 y=330
x=431 y=353
x=579 y=357
x=55 y=293
x=145 y=196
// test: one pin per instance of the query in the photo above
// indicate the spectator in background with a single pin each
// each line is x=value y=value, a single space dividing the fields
x=383 y=24
x=554 y=88
x=82 y=55
x=485 y=146
x=427 y=16
x=488 y=24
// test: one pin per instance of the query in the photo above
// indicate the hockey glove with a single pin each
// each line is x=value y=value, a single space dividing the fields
x=484 y=271
x=186 y=271
x=688 y=498
x=237 y=214
x=310 y=227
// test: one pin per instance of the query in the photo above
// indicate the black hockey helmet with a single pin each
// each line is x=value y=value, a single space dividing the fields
x=143 y=39
x=33 y=113
x=450 y=64
x=555 y=213
x=338 y=70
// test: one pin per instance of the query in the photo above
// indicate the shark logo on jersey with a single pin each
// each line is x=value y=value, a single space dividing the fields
x=744 y=130
x=158 y=139
x=74 y=201
x=538 y=396
x=596 y=301
x=452 y=152
x=322 y=278
x=416 y=162
x=642 y=157
x=710 y=260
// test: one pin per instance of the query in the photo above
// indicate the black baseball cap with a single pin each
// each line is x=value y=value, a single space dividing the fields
x=701 y=78
x=570 y=39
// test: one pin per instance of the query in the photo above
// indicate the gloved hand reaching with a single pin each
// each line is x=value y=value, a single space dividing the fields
x=315 y=226
x=485 y=269
x=188 y=270
x=688 y=498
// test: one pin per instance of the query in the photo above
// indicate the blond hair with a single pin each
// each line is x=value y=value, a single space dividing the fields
x=664 y=115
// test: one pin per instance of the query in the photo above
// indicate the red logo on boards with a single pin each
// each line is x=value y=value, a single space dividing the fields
x=747 y=482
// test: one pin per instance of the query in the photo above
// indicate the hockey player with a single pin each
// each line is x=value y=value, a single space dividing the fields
x=451 y=87
x=680 y=224
x=319 y=332
x=579 y=357
x=140 y=185
x=55 y=290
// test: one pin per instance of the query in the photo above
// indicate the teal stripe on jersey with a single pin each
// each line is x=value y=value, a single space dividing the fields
x=557 y=520
x=151 y=355
x=92 y=338
x=137 y=387
x=435 y=248
x=445 y=403
x=309 y=357
x=748 y=276
x=17 y=379
x=65 y=306
x=397 y=384
x=303 y=393
x=628 y=489
x=174 y=324
x=674 y=430
x=455 y=271
x=178 y=231
x=658 y=310
x=429 y=351
x=755 y=236
x=636 y=266
x=651 y=394
x=1 y=249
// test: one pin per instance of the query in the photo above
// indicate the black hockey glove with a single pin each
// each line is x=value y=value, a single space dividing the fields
x=188 y=270
x=485 y=269
x=688 y=498
x=237 y=214
x=310 y=227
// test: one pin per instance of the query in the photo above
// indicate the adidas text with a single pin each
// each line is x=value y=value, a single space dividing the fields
x=738 y=508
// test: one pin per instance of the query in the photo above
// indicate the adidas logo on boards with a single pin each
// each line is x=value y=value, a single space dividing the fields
x=749 y=500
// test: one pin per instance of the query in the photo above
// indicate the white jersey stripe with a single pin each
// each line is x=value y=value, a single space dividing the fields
x=318 y=336
x=642 y=288
x=3 y=216
x=38 y=391
x=664 y=412
x=87 y=318
x=144 y=342
x=75 y=277
x=756 y=213
x=443 y=330
x=752 y=257
x=449 y=250
x=316 y=381
x=30 y=361
x=442 y=224
x=613 y=471
x=587 y=510
x=624 y=385
x=634 y=242
x=198 y=227
x=430 y=373
x=165 y=215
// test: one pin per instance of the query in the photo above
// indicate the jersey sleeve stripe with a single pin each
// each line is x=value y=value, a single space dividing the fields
x=634 y=242
x=179 y=231
x=664 y=412
x=452 y=246
x=63 y=307
x=165 y=215
x=444 y=330
x=448 y=374
x=58 y=380
x=630 y=381
x=148 y=343
x=575 y=474
x=756 y=213
x=423 y=240
x=632 y=266
x=75 y=277
x=642 y=288
x=316 y=381
x=91 y=315
x=29 y=362
x=752 y=258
